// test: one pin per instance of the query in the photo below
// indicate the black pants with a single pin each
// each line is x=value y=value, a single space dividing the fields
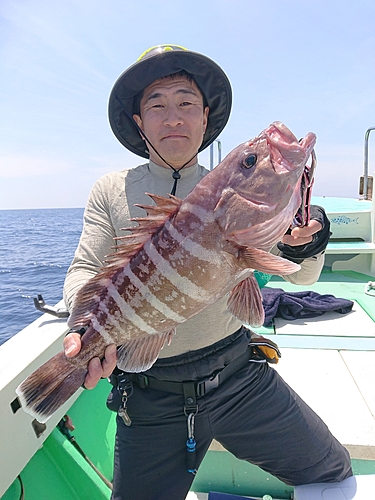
x=254 y=414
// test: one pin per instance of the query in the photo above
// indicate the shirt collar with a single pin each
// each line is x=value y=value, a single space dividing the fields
x=166 y=172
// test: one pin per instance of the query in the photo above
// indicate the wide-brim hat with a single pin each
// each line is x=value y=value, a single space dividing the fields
x=159 y=62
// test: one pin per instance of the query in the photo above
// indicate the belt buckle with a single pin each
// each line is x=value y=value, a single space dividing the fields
x=208 y=384
x=142 y=381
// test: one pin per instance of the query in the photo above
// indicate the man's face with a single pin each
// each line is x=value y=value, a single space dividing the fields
x=174 y=120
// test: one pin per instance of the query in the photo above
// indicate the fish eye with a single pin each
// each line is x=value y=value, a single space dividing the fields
x=250 y=160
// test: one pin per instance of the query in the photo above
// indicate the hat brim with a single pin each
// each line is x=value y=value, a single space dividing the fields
x=209 y=77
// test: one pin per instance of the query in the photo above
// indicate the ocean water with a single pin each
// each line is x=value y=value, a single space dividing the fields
x=36 y=248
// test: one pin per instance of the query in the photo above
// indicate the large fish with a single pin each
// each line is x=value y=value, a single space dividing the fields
x=180 y=258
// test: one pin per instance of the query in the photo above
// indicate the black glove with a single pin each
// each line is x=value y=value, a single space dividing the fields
x=316 y=246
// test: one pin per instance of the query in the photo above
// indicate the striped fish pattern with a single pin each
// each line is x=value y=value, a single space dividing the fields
x=181 y=257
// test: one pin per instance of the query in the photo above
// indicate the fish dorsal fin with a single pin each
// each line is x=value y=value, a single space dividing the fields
x=87 y=296
x=164 y=205
x=140 y=354
x=85 y=300
x=267 y=262
x=157 y=214
x=245 y=302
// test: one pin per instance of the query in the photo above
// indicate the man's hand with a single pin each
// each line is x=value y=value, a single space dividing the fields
x=302 y=235
x=96 y=369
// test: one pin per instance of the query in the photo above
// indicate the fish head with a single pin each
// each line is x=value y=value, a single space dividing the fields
x=259 y=190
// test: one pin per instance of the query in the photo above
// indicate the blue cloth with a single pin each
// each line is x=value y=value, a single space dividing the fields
x=295 y=305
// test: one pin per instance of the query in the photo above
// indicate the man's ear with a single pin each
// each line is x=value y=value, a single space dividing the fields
x=206 y=112
x=138 y=121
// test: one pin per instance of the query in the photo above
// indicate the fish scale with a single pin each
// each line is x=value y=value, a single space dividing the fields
x=180 y=258
x=163 y=273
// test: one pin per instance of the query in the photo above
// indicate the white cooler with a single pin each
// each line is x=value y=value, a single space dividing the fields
x=356 y=487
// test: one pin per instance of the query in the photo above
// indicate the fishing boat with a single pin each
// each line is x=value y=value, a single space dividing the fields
x=329 y=360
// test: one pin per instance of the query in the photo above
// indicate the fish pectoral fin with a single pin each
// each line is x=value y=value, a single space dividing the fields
x=140 y=354
x=245 y=302
x=267 y=262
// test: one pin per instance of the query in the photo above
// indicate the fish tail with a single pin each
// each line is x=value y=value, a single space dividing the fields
x=50 y=386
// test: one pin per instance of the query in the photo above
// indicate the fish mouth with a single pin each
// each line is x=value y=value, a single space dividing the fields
x=287 y=153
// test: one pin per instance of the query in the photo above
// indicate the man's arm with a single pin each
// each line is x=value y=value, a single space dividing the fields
x=97 y=241
x=306 y=246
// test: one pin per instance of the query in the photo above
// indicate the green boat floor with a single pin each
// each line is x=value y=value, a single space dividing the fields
x=58 y=472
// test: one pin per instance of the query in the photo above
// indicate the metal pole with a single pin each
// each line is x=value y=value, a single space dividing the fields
x=365 y=170
x=212 y=153
x=211 y=156
x=219 y=151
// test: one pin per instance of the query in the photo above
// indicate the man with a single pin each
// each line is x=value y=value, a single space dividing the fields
x=167 y=107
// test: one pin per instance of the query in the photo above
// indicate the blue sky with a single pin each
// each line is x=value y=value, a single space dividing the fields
x=310 y=64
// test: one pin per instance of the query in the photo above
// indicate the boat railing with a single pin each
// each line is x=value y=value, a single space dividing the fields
x=366 y=181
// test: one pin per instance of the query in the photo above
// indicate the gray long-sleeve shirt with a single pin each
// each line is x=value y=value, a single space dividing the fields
x=108 y=210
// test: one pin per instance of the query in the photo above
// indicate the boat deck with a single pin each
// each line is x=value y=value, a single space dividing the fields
x=330 y=360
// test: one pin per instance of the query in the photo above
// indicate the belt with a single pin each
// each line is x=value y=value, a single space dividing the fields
x=201 y=387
